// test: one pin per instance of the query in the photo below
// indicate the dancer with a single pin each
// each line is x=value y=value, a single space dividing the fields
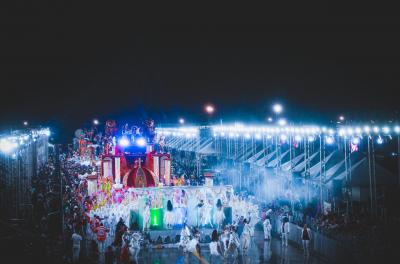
x=246 y=236
x=146 y=217
x=285 y=231
x=267 y=229
x=225 y=239
x=185 y=237
x=134 y=246
x=169 y=217
x=207 y=214
x=215 y=247
x=193 y=245
x=233 y=244
x=200 y=213
x=219 y=215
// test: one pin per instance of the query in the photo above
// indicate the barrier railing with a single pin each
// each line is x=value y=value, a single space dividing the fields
x=329 y=249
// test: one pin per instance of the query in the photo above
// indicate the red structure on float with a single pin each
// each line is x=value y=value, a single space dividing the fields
x=136 y=170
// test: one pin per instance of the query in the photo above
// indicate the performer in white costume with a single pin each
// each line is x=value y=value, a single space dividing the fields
x=219 y=215
x=233 y=244
x=185 y=237
x=207 y=214
x=169 y=215
x=267 y=229
x=146 y=218
x=225 y=239
x=246 y=236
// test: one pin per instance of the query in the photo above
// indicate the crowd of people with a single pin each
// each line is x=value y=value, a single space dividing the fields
x=89 y=237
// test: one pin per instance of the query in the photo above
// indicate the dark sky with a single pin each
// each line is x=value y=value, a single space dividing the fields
x=63 y=65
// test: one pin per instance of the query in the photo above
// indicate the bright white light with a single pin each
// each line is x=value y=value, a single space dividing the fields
x=181 y=121
x=124 y=142
x=270 y=119
x=247 y=136
x=282 y=122
x=342 y=132
x=297 y=138
x=329 y=140
x=311 y=139
x=350 y=131
x=95 y=122
x=7 y=146
x=141 y=142
x=341 y=118
x=209 y=109
x=358 y=131
x=386 y=130
x=376 y=129
x=258 y=136
x=283 y=137
x=25 y=123
x=367 y=129
x=355 y=140
x=277 y=108
x=379 y=140
x=222 y=134
x=397 y=129
x=331 y=131
x=324 y=129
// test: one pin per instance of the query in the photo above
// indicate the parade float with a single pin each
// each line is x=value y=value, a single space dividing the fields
x=135 y=182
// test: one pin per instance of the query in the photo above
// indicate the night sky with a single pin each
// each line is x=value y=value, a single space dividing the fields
x=63 y=66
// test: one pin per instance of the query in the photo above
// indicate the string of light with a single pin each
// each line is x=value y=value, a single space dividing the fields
x=284 y=131
x=10 y=143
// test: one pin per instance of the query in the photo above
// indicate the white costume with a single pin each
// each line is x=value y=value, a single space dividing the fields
x=146 y=218
x=169 y=219
x=207 y=215
x=185 y=237
x=220 y=217
x=192 y=245
x=134 y=245
x=285 y=233
x=214 y=248
x=246 y=236
x=225 y=240
x=267 y=229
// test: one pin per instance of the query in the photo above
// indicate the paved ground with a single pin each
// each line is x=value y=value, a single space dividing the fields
x=261 y=252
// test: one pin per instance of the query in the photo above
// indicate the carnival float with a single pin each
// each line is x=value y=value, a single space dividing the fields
x=133 y=180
